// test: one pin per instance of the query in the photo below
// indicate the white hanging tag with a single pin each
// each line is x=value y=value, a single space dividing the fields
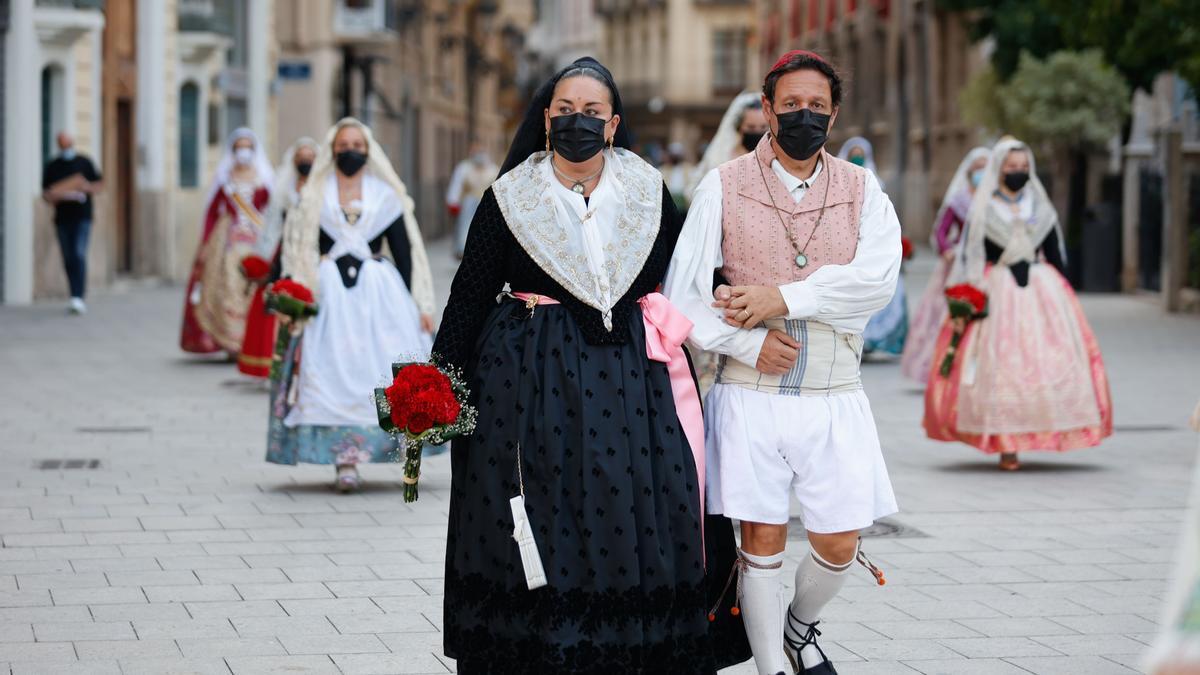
x=531 y=560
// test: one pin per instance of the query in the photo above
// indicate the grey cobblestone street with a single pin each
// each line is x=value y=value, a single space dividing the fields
x=184 y=552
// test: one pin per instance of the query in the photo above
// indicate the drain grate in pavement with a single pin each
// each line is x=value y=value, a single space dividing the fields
x=56 y=464
x=113 y=430
x=884 y=528
x=889 y=528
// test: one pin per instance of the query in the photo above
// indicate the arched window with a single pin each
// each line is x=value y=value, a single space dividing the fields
x=189 y=135
x=53 y=115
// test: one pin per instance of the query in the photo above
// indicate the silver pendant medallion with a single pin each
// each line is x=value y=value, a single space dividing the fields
x=801 y=260
x=577 y=188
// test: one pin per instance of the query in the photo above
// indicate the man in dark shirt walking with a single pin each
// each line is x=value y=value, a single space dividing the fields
x=68 y=182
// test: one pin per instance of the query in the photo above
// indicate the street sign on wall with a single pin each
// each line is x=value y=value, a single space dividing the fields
x=294 y=70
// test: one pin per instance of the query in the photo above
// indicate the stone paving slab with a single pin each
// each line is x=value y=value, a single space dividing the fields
x=184 y=552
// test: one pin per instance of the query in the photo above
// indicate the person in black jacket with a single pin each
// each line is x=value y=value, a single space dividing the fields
x=68 y=182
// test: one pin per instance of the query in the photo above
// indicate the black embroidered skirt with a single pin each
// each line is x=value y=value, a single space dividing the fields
x=612 y=496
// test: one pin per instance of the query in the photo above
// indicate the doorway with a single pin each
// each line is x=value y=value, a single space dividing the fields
x=125 y=152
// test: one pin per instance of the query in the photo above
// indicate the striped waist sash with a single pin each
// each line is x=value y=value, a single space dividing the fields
x=828 y=363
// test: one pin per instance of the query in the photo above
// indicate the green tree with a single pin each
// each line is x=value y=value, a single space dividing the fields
x=1141 y=38
x=1071 y=100
x=1065 y=105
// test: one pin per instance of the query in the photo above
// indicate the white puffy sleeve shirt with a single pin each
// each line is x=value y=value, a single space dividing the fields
x=843 y=296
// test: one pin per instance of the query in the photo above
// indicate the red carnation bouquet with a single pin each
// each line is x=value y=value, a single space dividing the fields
x=291 y=298
x=294 y=303
x=967 y=303
x=426 y=403
x=255 y=268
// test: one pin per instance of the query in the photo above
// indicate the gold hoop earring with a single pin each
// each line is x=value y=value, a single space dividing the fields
x=610 y=142
x=547 y=142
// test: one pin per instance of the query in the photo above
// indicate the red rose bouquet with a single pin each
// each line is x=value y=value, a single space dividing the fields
x=255 y=268
x=426 y=403
x=967 y=303
x=294 y=303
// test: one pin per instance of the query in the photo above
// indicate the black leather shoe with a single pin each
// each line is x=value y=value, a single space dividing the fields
x=793 y=648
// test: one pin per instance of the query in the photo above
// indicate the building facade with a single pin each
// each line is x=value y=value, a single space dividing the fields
x=562 y=31
x=148 y=88
x=679 y=63
x=427 y=76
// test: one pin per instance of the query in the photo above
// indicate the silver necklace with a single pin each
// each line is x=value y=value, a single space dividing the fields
x=577 y=186
x=801 y=258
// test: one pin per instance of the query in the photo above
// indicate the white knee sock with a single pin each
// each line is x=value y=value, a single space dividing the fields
x=817 y=582
x=762 y=610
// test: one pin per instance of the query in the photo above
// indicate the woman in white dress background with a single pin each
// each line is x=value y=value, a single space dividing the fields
x=372 y=310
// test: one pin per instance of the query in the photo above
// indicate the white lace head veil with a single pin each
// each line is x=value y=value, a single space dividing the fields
x=727 y=139
x=262 y=164
x=982 y=225
x=283 y=196
x=868 y=150
x=958 y=195
x=301 y=232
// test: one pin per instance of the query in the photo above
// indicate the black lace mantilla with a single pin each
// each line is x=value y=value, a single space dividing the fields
x=493 y=257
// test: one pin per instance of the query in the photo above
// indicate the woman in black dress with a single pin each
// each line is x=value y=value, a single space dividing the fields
x=610 y=483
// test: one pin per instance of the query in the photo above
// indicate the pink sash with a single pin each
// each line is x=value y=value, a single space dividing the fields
x=666 y=329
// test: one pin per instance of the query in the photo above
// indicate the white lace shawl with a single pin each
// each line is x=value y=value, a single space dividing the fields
x=595 y=255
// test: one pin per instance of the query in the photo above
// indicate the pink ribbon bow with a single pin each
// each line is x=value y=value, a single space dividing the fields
x=666 y=329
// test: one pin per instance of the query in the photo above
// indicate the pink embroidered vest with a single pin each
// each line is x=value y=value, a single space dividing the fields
x=756 y=249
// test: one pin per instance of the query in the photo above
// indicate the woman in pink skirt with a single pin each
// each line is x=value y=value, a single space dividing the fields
x=948 y=227
x=1029 y=376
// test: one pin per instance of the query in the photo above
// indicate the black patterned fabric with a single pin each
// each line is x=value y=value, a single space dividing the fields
x=610 y=484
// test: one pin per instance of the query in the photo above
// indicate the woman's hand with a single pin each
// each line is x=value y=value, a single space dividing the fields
x=748 y=306
x=427 y=323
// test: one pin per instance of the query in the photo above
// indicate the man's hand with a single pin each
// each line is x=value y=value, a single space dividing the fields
x=779 y=353
x=748 y=306
x=427 y=323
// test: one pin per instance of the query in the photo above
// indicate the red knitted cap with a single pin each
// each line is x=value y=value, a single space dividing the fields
x=795 y=52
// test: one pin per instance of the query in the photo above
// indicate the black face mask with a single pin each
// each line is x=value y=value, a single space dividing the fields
x=802 y=133
x=350 y=162
x=304 y=168
x=577 y=137
x=750 y=139
x=1016 y=180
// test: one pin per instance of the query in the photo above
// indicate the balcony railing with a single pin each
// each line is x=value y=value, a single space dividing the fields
x=203 y=16
x=71 y=4
x=363 y=18
x=608 y=7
